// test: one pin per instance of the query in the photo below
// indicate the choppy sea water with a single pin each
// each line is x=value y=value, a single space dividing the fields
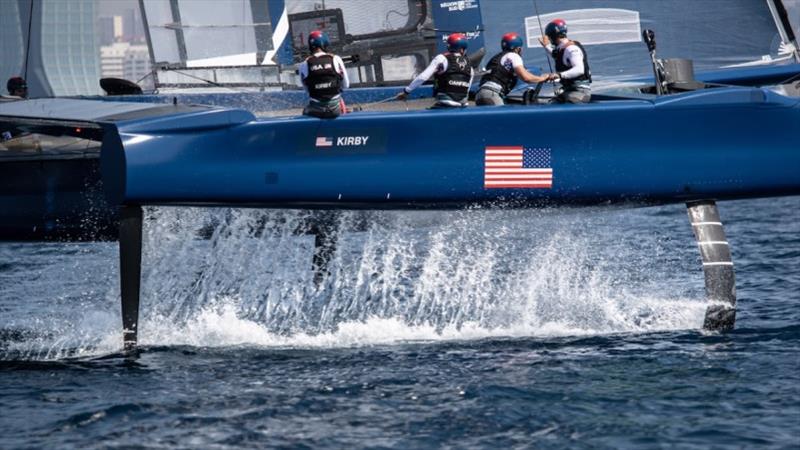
x=480 y=328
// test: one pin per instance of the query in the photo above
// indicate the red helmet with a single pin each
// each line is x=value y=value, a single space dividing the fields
x=318 y=39
x=555 y=29
x=510 y=41
x=456 y=42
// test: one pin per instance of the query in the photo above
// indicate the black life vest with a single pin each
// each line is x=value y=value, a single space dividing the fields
x=507 y=79
x=323 y=81
x=558 y=56
x=455 y=80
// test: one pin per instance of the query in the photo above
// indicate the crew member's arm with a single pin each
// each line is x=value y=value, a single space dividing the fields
x=528 y=77
x=436 y=63
x=339 y=65
x=519 y=68
x=302 y=70
x=574 y=57
x=545 y=41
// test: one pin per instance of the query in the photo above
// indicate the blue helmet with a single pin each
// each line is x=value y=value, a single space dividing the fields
x=456 y=42
x=318 y=39
x=555 y=29
x=511 y=41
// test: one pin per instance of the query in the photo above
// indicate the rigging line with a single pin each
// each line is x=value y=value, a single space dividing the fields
x=151 y=73
x=394 y=11
x=28 y=44
x=213 y=83
x=362 y=105
x=382 y=101
x=439 y=30
x=547 y=56
x=148 y=74
x=386 y=19
x=176 y=26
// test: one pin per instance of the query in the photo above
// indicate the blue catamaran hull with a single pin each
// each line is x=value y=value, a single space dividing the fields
x=694 y=148
x=717 y=143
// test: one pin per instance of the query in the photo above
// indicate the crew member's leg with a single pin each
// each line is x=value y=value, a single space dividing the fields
x=445 y=101
x=576 y=96
x=488 y=97
x=324 y=110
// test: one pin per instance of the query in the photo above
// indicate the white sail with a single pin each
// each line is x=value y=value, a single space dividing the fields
x=713 y=33
x=591 y=26
x=199 y=34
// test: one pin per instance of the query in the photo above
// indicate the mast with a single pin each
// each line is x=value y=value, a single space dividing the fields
x=781 y=18
x=146 y=26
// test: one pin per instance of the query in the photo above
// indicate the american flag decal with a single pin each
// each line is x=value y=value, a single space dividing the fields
x=324 y=141
x=517 y=167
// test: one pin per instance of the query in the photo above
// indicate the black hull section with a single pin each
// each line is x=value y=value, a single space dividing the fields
x=54 y=199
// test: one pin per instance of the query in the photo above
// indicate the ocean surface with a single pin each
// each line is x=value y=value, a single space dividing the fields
x=574 y=328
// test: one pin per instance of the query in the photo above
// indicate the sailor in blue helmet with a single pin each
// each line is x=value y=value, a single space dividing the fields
x=452 y=75
x=505 y=69
x=324 y=77
x=572 y=65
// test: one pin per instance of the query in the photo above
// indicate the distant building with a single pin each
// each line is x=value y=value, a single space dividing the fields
x=105 y=30
x=119 y=29
x=124 y=60
x=136 y=65
x=111 y=59
x=125 y=27
x=132 y=28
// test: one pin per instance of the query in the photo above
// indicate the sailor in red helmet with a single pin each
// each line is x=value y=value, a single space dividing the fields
x=505 y=69
x=572 y=65
x=452 y=72
x=325 y=77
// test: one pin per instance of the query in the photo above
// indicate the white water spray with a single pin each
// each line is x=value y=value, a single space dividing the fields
x=220 y=277
x=404 y=275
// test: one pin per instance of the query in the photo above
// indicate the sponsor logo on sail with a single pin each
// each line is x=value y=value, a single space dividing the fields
x=459 y=5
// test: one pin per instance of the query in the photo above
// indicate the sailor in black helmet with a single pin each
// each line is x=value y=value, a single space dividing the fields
x=324 y=76
x=572 y=65
x=452 y=72
x=17 y=87
x=505 y=69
